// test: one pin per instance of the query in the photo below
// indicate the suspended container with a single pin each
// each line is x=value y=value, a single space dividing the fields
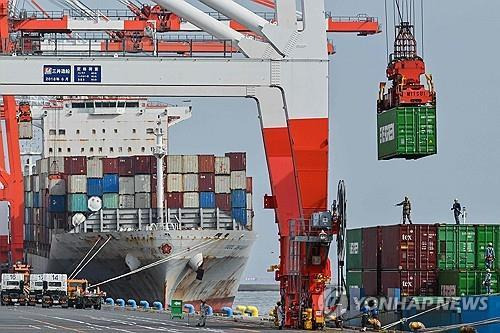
x=407 y=132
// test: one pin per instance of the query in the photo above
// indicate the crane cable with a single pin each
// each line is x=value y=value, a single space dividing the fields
x=88 y=253
x=440 y=329
x=156 y=263
x=93 y=256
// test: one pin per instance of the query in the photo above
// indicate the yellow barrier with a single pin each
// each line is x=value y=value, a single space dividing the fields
x=253 y=310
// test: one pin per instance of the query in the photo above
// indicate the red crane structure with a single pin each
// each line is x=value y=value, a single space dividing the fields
x=283 y=67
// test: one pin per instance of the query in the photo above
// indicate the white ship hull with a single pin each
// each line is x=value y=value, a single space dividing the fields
x=225 y=256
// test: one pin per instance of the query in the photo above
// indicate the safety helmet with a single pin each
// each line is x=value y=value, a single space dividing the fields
x=487 y=270
x=490 y=244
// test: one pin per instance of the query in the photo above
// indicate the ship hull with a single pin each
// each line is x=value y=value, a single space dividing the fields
x=225 y=255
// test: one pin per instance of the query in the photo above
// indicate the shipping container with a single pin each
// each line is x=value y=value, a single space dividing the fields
x=76 y=165
x=411 y=283
x=191 y=200
x=77 y=184
x=249 y=186
x=125 y=166
x=110 y=165
x=222 y=166
x=127 y=185
x=42 y=165
x=27 y=183
x=190 y=164
x=238 y=180
x=44 y=181
x=238 y=199
x=28 y=199
x=25 y=129
x=409 y=247
x=354 y=249
x=465 y=283
x=36 y=183
x=142 y=165
x=222 y=184
x=154 y=199
x=190 y=182
x=249 y=201
x=407 y=132
x=110 y=183
x=127 y=201
x=110 y=201
x=206 y=164
x=95 y=187
x=77 y=203
x=175 y=200
x=371 y=248
x=143 y=200
x=207 y=199
x=95 y=167
x=487 y=234
x=223 y=201
x=174 y=182
x=142 y=183
x=238 y=161
x=57 y=187
x=240 y=215
x=57 y=204
x=174 y=163
x=56 y=165
x=206 y=182
x=457 y=247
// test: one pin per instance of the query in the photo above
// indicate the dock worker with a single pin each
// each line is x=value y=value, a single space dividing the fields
x=280 y=314
x=406 y=209
x=203 y=314
x=457 y=211
x=487 y=281
x=489 y=256
x=365 y=316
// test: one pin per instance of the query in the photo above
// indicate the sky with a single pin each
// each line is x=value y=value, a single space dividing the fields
x=461 y=52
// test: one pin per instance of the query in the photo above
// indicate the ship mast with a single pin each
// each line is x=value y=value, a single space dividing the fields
x=159 y=151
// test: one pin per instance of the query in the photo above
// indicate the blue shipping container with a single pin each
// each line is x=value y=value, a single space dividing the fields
x=36 y=199
x=94 y=187
x=207 y=199
x=240 y=215
x=239 y=199
x=110 y=183
x=57 y=204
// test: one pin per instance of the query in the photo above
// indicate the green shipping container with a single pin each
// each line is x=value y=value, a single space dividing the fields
x=354 y=279
x=111 y=201
x=465 y=283
x=407 y=132
x=457 y=247
x=487 y=234
x=77 y=203
x=354 y=257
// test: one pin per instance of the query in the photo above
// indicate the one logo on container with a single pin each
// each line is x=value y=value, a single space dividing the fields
x=386 y=133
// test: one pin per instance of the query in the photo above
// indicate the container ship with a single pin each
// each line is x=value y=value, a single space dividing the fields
x=416 y=268
x=96 y=210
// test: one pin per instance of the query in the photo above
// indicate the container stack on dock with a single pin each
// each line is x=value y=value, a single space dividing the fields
x=420 y=260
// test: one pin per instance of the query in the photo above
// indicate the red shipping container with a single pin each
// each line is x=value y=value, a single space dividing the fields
x=238 y=161
x=206 y=182
x=154 y=163
x=249 y=185
x=409 y=247
x=370 y=283
x=206 y=163
x=76 y=165
x=154 y=197
x=223 y=201
x=110 y=165
x=411 y=283
x=142 y=165
x=175 y=200
x=126 y=166
x=371 y=248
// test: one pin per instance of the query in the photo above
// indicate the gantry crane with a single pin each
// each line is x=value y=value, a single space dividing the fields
x=283 y=67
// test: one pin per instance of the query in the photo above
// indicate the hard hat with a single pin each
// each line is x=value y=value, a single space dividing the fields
x=487 y=270
x=456 y=199
x=490 y=244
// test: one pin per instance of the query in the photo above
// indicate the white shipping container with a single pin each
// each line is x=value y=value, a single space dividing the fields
x=94 y=168
x=190 y=182
x=44 y=181
x=174 y=163
x=222 y=165
x=249 y=225
x=127 y=201
x=143 y=200
x=249 y=201
x=44 y=165
x=26 y=130
x=56 y=165
x=27 y=183
x=222 y=184
x=142 y=183
x=36 y=183
x=126 y=185
x=190 y=164
x=238 y=180
x=28 y=199
x=191 y=200
x=174 y=182
x=57 y=187
x=77 y=184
